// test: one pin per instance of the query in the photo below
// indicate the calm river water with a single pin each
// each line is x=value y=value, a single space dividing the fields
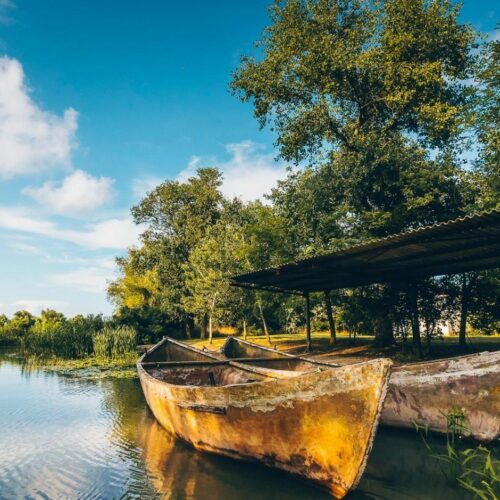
x=71 y=438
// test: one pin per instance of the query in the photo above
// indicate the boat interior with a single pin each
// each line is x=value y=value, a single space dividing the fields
x=179 y=364
x=205 y=375
x=264 y=357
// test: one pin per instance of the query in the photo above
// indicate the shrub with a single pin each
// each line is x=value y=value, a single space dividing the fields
x=8 y=337
x=73 y=340
x=149 y=323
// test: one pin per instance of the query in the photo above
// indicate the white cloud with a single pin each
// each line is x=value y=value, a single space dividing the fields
x=144 y=185
x=77 y=193
x=92 y=279
x=35 y=306
x=63 y=258
x=248 y=174
x=31 y=139
x=25 y=248
x=5 y=7
x=46 y=257
x=112 y=233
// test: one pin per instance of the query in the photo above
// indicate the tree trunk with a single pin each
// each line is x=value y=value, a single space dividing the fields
x=412 y=295
x=384 y=334
x=204 y=321
x=189 y=328
x=264 y=324
x=464 y=309
x=308 y=322
x=331 y=319
x=244 y=330
x=210 y=328
x=384 y=328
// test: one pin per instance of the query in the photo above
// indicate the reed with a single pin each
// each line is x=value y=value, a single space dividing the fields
x=114 y=343
x=475 y=469
x=8 y=338
x=71 y=340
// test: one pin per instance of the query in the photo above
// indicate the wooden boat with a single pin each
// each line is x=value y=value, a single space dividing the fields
x=319 y=424
x=424 y=393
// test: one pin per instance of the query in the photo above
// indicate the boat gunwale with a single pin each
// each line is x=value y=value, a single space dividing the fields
x=395 y=368
x=284 y=355
x=233 y=338
x=243 y=367
x=167 y=340
x=441 y=360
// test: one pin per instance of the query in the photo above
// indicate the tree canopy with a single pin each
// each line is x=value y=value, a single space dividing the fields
x=374 y=103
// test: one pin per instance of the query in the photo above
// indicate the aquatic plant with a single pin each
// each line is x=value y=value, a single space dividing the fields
x=475 y=469
x=65 y=338
x=114 y=343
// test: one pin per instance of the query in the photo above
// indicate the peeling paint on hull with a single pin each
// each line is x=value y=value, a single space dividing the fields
x=425 y=392
x=319 y=425
x=422 y=392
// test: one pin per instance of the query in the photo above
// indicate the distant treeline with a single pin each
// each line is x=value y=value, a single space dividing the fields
x=74 y=338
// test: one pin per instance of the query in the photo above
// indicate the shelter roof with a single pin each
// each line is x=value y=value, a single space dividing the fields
x=468 y=243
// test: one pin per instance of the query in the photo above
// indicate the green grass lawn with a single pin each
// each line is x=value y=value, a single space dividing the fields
x=362 y=347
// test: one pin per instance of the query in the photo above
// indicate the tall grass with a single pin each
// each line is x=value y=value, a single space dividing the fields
x=474 y=469
x=114 y=343
x=67 y=340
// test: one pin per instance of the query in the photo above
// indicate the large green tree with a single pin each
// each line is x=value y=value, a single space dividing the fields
x=334 y=71
x=488 y=125
x=177 y=216
x=208 y=269
x=373 y=96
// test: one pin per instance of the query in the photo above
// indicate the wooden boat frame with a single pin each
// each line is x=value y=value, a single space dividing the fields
x=319 y=425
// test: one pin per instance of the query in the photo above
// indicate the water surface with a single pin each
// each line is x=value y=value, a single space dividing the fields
x=71 y=438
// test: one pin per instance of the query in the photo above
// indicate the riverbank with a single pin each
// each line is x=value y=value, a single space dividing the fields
x=90 y=367
x=345 y=351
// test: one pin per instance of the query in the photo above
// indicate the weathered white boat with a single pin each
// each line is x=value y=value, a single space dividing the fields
x=424 y=393
x=318 y=424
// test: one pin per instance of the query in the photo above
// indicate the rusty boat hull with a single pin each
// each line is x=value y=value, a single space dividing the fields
x=424 y=393
x=319 y=425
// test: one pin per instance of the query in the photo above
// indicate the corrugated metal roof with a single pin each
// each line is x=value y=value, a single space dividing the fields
x=464 y=244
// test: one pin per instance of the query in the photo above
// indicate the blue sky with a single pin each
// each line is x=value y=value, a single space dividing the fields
x=99 y=101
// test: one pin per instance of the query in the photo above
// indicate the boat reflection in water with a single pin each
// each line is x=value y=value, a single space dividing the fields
x=175 y=470
x=399 y=467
